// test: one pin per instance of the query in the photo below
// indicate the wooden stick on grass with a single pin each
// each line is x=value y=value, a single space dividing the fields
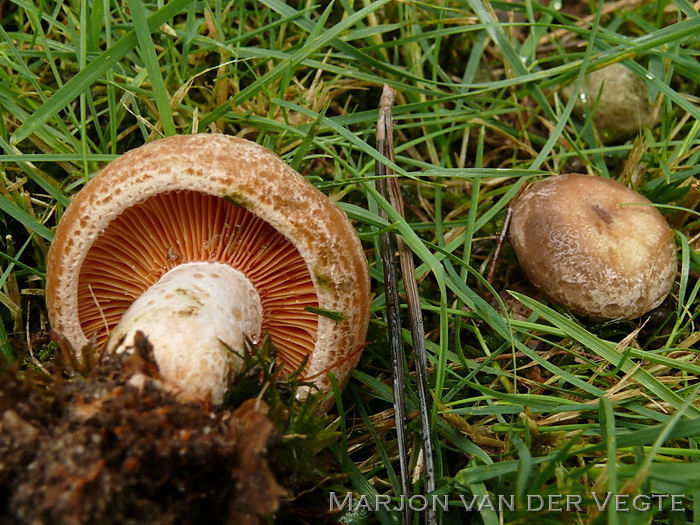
x=390 y=243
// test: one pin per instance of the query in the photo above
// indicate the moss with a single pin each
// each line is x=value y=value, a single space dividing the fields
x=322 y=280
x=238 y=199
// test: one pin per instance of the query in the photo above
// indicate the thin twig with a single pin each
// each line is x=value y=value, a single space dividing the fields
x=388 y=249
x=413 y=302
x=499 y=246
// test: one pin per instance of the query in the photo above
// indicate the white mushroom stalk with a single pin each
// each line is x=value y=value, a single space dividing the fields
x=197 y=317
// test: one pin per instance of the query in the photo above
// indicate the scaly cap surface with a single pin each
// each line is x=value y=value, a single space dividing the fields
x=579 y=245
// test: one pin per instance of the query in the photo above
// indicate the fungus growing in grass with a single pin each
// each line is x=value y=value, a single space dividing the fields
x=577 y=241
x=620 y=99
x=201 y=242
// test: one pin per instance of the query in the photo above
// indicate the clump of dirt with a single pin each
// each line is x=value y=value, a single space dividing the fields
x=116 y=448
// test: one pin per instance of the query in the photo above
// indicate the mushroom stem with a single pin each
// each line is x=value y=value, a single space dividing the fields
x=197 y=318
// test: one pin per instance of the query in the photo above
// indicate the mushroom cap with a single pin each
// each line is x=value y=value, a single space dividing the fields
x=582 y=249
x=186 y=176
x=621 y=102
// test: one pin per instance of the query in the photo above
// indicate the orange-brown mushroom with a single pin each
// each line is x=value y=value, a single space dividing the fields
x=577 y=241
x=199 y=242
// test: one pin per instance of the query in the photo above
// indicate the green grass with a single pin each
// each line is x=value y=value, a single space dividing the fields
x=528 y=399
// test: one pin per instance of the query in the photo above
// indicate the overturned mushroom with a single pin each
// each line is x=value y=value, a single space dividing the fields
x=579 y=244
x=201 y=242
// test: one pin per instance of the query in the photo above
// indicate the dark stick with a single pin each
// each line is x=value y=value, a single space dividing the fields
x=413 y=302
x=415 y=319
x=388 y=250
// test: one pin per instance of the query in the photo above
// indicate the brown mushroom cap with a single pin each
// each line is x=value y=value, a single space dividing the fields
x=579 y=245
x=620 y=99
x=213 y=198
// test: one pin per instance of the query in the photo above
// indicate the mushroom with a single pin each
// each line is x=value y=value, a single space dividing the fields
x=582 y=247
x=201 y=242
x=620 y=99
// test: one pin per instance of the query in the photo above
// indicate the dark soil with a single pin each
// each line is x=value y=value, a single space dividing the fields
x=117 y=448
